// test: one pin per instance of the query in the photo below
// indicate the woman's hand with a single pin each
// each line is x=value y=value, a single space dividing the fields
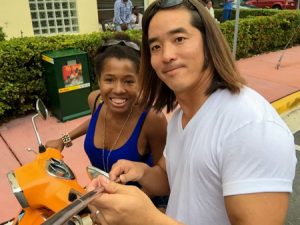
x=124 y=171
x=57 y=144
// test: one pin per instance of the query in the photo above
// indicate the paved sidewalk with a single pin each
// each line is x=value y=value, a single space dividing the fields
x=273 y=84
x=17 y=135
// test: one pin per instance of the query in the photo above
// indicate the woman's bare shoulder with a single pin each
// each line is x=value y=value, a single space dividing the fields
x=92 y=97
x=155 y=119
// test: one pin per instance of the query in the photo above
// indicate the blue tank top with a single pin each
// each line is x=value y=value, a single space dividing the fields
x=128 y=151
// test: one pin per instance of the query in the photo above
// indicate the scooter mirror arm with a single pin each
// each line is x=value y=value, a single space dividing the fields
x=41 y=146
x=64 y=215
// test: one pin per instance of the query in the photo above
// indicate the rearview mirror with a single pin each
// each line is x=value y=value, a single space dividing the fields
x=41 y=109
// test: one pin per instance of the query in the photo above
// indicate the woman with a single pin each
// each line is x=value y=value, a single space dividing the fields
x=119 y=128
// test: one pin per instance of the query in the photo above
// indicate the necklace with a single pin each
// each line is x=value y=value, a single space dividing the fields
x=105 y=167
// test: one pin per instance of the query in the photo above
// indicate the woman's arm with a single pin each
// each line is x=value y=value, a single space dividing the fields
x=79 y=130
x=156 y=133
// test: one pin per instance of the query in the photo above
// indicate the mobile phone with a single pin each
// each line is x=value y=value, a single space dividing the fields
x=94 y=172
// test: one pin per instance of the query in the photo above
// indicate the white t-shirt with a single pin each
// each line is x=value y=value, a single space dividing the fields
x=234 y=144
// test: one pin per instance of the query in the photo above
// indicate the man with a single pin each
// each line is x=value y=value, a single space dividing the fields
x=122 y=14
x=229 y=158
x=227 y=10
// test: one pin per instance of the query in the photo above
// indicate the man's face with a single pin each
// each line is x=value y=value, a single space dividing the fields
x=176 y=49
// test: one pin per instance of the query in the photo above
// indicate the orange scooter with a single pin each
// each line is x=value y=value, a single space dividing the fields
x=46 y=185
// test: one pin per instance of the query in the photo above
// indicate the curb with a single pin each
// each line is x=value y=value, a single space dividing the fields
x=287 y=103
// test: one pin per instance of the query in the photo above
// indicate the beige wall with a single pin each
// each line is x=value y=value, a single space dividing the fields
x=15 y=17
x=87 y=16
x=150 y=1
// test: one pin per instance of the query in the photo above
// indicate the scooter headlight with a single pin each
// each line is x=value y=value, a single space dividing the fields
x=17 y=190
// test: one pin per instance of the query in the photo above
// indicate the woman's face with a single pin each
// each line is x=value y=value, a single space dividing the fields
x=118 y=83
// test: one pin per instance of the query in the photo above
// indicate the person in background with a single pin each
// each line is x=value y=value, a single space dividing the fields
x=136 y=19
x=229 y=157
x=210 y=8
x=227 y=10
x=122 y=15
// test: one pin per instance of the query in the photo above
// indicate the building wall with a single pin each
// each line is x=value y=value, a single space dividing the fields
x=15 y=18
x=87 y=16
x=150 y=1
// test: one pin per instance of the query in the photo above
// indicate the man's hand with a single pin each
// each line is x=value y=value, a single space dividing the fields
x=121 y=204
x=124 y=26
x=124 y=171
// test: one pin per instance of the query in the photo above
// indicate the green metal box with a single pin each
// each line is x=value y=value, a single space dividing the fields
x=67 y=81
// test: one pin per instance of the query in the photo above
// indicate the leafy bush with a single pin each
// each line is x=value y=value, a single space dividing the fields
x=263 y=33
x=247 y=13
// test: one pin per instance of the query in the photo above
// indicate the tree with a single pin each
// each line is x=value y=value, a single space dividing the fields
x=2 y=34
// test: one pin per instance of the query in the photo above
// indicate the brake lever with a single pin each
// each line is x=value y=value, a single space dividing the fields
x=64 y=215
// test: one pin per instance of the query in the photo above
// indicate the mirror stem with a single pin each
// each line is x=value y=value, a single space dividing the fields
x=35 y=130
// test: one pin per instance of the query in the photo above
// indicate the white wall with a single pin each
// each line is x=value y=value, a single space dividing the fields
x=87 y=16
x=15 y=17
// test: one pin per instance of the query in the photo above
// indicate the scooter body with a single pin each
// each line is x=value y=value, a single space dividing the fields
x=44 y=186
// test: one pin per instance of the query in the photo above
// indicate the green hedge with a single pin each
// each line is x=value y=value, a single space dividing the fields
x=264 y=33
x=246 y=13
x=21 y=80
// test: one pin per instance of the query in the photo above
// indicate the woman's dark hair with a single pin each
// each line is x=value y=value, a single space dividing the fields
x=120 y=51
x=217 y=57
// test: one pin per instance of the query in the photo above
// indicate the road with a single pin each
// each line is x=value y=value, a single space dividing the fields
x=293 y=121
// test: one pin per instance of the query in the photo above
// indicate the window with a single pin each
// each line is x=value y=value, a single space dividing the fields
x=53 y=16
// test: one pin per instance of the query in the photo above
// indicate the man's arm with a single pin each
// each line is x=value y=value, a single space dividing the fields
x=154 y=180
x=128 y=10
x=258 y=168
x=257 y=209
x=117 y=18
